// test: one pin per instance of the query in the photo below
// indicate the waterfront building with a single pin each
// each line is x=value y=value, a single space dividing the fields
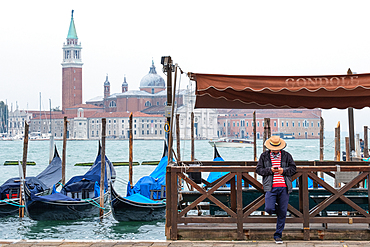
x=16 y=120
x=287 y=123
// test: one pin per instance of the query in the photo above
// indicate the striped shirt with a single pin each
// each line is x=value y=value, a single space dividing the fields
x=278 y=180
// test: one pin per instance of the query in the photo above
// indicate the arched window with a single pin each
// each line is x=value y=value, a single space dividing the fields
x=148 y=104
x=112 y=104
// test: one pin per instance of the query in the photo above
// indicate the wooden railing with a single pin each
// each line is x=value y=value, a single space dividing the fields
x=238 y=175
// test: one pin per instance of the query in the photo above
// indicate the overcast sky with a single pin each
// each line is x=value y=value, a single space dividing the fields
x=225 y=37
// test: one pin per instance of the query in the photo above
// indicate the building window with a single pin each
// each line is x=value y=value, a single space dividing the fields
x=299 y=124
x=233 y=124
x=299 y=133
x=312 y=133
x=318 y=124
x=112 y=104
x=258 y=124
x=293 y=123
x=142 y=132
x=155 y=131
x=157 y=103
x=123 y=121
x=282 y=124
x=287 y=124
x=92 y=133
x=312 y=126
x=147 y=132
x=147 y=104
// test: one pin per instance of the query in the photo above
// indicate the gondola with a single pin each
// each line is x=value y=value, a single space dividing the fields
x=42 y=183
x=145 y=200
x=79 y=198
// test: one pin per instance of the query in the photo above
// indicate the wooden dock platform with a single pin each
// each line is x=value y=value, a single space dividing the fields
x=265 y=232
x=143 y=243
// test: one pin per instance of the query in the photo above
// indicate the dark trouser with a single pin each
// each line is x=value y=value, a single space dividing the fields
x=279 y=196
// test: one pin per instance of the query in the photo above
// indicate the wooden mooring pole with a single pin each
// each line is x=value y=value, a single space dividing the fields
x=351 y=127
x=130 y=157
x=254 y=136
x=366 y=145
x=337 y=142
x=64 y=154
x=266 y=131
x=102 y=170
x=347 y=149
x=24 y=169
x=321 y=139
x=192 y=136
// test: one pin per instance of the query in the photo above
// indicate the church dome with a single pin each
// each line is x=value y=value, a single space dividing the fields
x=152 y=79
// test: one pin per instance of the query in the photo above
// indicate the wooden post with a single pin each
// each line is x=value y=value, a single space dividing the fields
x=178 y=137
x=102 y=171
x=130 y=157
x=64 y=151
x=264 y=134
x=239 y=207
x=168 y=203
x=192 y=136
x=366 y=145
x=347 y=149
x=174 y=201
x=24 y=169
x=268 y=128
x=351 y=126
x=337 y=142
x=254 y=140
x=254 y=136
x=305 y=207
x=321 y=139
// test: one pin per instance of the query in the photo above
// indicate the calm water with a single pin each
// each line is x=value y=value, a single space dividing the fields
x=85 y=151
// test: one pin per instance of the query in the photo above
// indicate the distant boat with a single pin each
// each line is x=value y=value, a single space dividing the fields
x=231 y=143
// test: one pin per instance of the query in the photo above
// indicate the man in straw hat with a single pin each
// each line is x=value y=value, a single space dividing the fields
x=277 y=167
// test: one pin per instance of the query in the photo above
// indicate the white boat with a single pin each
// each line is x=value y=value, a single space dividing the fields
x=232 y=143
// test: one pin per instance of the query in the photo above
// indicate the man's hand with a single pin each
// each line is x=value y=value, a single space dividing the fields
x=279 y=170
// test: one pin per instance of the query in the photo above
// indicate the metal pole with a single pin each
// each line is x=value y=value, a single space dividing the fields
x=130 y=151
x=64 y=151
x=169 y=96
x=171 y=119
x=178 y=137
x=102 y=171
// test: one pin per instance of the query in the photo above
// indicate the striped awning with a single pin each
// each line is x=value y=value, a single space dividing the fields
x=255 y=92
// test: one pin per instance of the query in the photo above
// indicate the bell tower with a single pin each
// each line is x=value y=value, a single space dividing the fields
x=71 y=69
x=106 y=87
x=124 y=85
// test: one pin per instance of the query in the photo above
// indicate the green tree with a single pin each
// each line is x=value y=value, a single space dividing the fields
x=4 y=113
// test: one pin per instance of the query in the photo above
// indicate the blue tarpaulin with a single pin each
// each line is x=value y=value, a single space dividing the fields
x=152 y=182
x=140 y=198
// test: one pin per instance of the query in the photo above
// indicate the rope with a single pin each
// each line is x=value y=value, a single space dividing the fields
x=92 y=202
x=13 y=204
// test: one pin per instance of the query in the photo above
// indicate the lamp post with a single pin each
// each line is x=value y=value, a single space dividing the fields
x=166 y=61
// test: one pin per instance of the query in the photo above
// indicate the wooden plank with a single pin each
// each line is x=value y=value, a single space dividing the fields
x=256 y=184
x=239 y=207
x=233 y=194
x=334 y=191
x=314 y=211
x=207 y=194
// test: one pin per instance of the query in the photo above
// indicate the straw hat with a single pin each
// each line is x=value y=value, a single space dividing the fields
x=275 y=143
